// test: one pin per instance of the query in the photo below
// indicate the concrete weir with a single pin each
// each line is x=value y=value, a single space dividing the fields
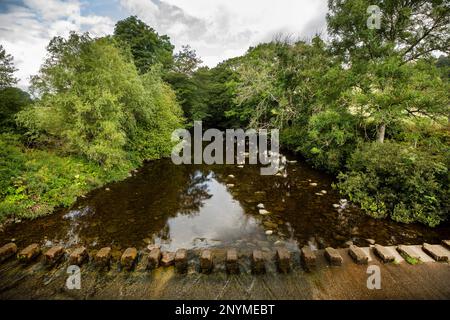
x=216 y=263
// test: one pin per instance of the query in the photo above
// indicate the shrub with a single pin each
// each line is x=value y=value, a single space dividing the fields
x=327 y=140
x=34 y=182
x=397 y=181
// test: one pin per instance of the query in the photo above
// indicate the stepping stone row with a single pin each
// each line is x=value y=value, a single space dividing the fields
x=179 y=258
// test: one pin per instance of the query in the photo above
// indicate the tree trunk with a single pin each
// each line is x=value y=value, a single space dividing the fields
x=381 y=132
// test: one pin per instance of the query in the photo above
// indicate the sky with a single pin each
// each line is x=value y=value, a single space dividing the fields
x=216 y=29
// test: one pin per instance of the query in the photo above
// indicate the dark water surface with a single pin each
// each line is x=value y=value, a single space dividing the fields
x=194 y=206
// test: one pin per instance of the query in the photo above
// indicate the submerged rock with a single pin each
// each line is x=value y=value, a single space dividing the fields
x=270 y=224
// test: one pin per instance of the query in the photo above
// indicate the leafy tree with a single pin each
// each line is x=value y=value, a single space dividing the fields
x=12 y=100
x=7 y=69
x=390 y=91
x=443 y=65
x=146 y=45
x=186 y=61
x=408 y=29
x=95 y=104
x=381 y=60
x=397 y=181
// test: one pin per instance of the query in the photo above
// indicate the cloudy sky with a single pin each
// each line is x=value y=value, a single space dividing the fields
x=216 y=29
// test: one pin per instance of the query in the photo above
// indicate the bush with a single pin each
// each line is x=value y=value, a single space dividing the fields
x=95 y=104
x=397 y=181
x=327 y=140
x=34 y=182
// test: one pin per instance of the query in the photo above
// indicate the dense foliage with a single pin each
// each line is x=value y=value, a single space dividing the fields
x=370 y=106
x=93 y=119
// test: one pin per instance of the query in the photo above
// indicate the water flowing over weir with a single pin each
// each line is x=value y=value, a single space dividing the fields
x=217 y=206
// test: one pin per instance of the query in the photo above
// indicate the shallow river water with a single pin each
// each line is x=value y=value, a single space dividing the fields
x=195 y=206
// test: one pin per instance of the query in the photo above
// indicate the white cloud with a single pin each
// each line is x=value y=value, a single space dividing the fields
x=26 y=30
x=217 y=29
x=220 y=29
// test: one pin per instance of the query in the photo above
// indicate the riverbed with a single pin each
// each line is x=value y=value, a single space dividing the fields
x=200 y=206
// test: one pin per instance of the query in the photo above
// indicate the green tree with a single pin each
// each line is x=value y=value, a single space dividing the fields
x=387 y=84
x=7 y=69
x=94 y=103
x=408 y=29
x=12 y=100
x=186 y=61
x=146 y=45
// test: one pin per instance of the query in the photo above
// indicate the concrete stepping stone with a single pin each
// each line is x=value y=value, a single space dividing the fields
x=29 y=253
x=206 y=261
x=128 y=259
x=258 y=264
x=409 y=251
x=167 y=259
x=416 y=252
x=7 y=251
x=103 y=257
x=333 y=256
x=283 y=257
x=437 y=252
x=181 y=262
x=446 y=243
x=53 y=255
x=231 y=261
x=384 y=253
x=358 y=254
x=153 y=258
x=308 y=257
x=78 y=256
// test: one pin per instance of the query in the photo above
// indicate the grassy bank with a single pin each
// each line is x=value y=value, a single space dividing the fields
x=34 y=182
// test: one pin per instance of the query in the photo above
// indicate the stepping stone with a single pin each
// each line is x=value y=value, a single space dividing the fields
x=231 y=262
x=7 y=251
x=358 y=254
x=103 y=257
x=181 y=262
x=53 y=255
x=78 y=256
x=446 y=243
x=206 y=261
x=384 y=253
x=409 y=251
x=308 y=257
x=258 y=265
x=439 y=253
x=29 y=253
x=284 y=260
x=333 y=256
x=153 y=258
x=167 y=259
x=128 y=258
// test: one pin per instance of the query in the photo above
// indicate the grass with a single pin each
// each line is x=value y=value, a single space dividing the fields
x=410 y=260
x=34 y=182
